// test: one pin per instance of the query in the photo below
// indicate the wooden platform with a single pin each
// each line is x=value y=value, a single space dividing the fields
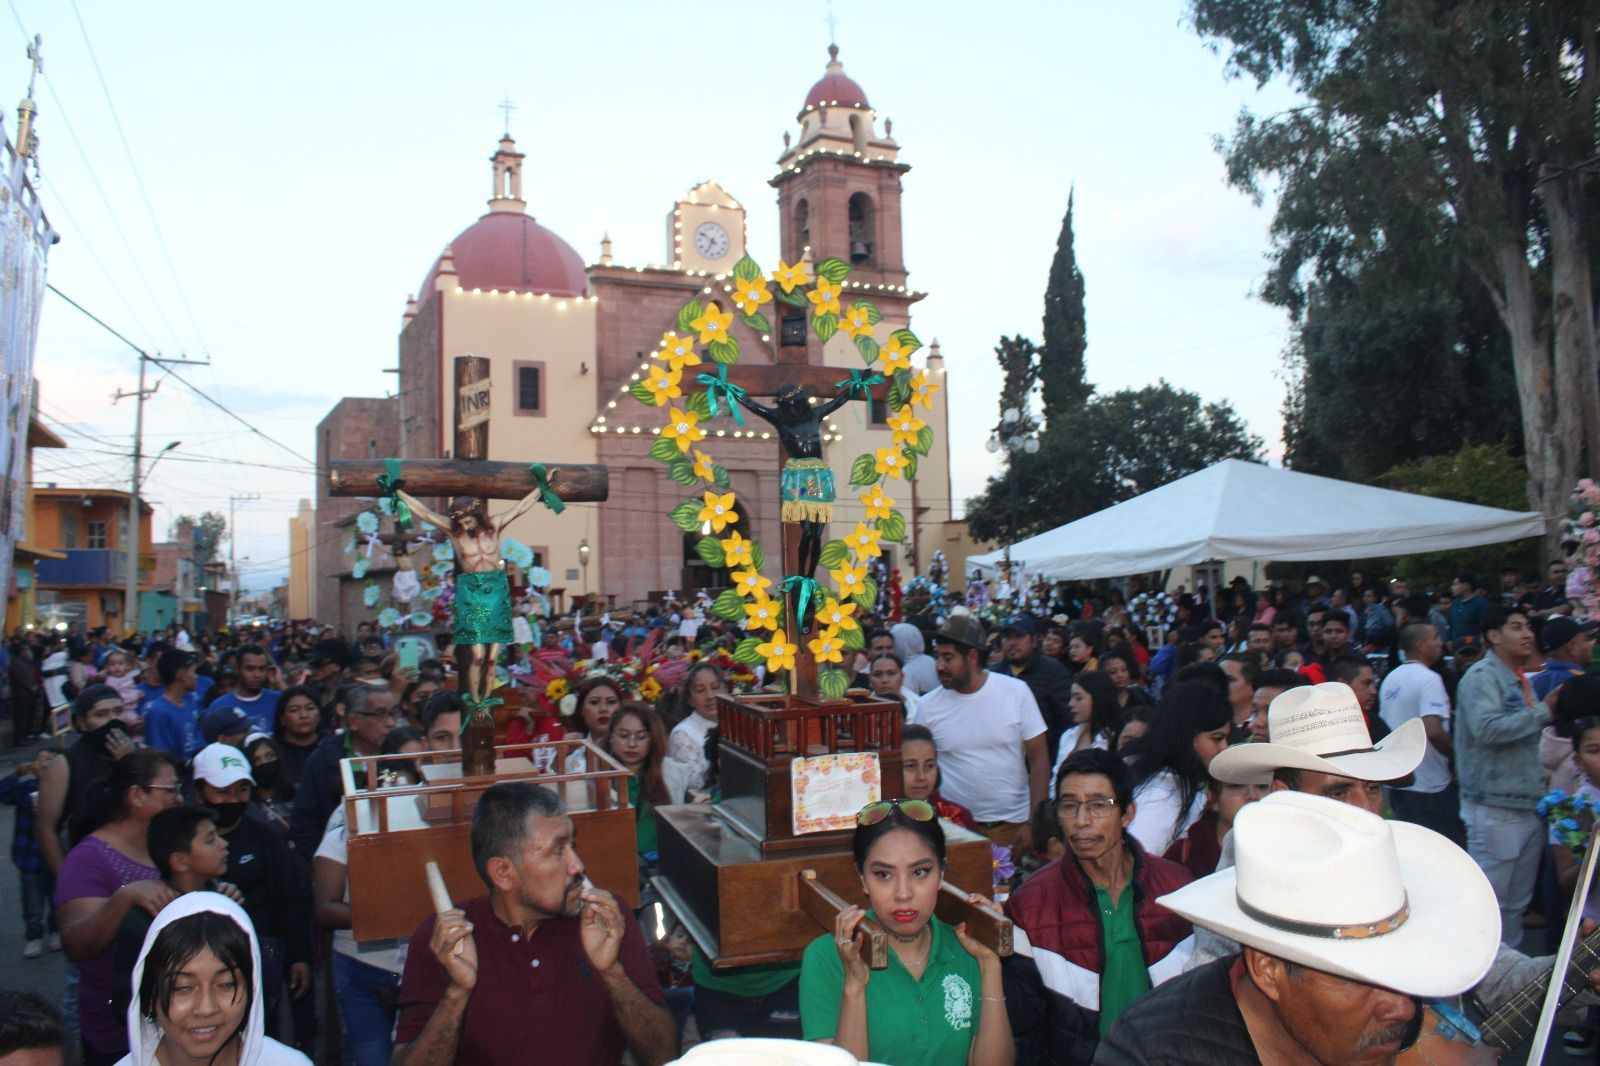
x=394 y=832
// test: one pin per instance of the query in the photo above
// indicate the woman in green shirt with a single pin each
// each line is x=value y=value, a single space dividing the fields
x=638 y=741
x=939 y=1002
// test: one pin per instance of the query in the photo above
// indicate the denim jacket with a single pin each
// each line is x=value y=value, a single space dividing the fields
x=1497 y=738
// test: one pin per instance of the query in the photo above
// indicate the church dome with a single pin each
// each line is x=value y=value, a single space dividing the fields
x=835 y=89
x=508 y=250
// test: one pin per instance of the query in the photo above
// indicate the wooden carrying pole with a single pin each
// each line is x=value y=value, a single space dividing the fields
x=985 y=923
x=823 y=905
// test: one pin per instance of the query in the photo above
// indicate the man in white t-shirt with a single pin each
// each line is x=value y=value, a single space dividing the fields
x=989 y=733
x=1415 y=690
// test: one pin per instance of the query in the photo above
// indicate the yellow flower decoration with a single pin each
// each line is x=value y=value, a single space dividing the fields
x=836 y=615
x=905 y=425
x=677 y=351
x=764 y=613
x=849 y=579
x=736 y=551
x=750 y=582
x=682 y=428
x=778 y=652
x=650 y=690
x=856 y=323
x=663 y=384
x=825 y=296
x=788 y=276
x=895 y=356
x=718 y=510
x=556 y=689
x=863 y=540
x=827 y=646
x=703 y=466
x=713 y=324
x=890 y=462
x=922 y=390
x=876 y=503
x=750 y=295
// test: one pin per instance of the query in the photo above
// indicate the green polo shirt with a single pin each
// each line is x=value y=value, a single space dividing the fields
x=1124 y=977
x=930 y=1022
x=644 y=815
x=751 y=982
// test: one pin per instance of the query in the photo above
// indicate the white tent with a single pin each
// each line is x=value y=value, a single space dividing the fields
x=1243 y=510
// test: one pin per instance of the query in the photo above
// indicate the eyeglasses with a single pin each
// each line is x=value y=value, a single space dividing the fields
x=384 y=715
x=1098 y=809
x=630 y=738
x=916 y=810
x=174 y=789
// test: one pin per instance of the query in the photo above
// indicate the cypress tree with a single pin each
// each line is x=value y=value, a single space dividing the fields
x=1061 y=371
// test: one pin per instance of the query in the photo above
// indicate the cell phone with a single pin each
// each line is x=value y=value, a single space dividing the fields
x=408 y=654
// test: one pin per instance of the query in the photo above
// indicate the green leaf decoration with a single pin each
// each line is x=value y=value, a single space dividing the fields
x=746 y=651
x=854 y=639
x=757 y=556
x=868 y=348
x=682 y=471
x=911 y=464
x=867 y=598
x=719 y=474
x=894 y=527
x=686 y=516
x=864 y=471
x=729 y=605
x=834 y=553
x=758 y=322
x=924 y=443
x=724 y=351
x=699 y=403
x=900 y=390
x=833 y=683
x=907 y=339
x=664 y=450
x=826 y=326
x=835 y=270
x=795 y=298
x=747 y=268
x=690 y=311
x=642 y=394
x=873 y=314
x=710 y=550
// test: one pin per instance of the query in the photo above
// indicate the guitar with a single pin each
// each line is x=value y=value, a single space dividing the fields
x=1448 y=1039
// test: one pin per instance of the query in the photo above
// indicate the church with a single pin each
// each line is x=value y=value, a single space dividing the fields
x=565 y=341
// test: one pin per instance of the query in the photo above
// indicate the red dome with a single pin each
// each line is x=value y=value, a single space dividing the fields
x=835 y=88
x=508 y=250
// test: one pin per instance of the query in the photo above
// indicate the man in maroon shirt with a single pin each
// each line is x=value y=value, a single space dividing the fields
x=551 y=970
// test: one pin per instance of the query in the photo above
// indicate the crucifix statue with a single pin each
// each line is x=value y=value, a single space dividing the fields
x=483 y=596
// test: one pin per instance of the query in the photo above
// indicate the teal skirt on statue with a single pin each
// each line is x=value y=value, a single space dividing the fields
x=483 y=608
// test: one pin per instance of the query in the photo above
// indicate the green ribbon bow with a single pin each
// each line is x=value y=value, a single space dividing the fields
x=807 y=588
x=474 y=706
x=719 y=383
x=860 y=382
x=547 y=495
x=389 y=485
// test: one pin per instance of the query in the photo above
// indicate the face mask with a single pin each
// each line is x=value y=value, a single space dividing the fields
x=228 y=814
x=101 y=738
x=266 y=775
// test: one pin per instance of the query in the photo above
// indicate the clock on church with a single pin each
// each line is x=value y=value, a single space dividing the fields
x=711 y=240
x=706 y=230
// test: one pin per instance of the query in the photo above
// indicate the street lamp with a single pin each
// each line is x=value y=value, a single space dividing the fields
x=1018 y=434
x=583 y=561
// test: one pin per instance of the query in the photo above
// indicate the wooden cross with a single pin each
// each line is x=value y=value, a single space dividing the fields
x=470 y=474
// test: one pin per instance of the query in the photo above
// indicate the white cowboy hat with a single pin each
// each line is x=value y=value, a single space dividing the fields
x=1321 y=728
x=1333 y=887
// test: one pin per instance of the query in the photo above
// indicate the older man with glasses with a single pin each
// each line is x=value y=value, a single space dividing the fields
x=369 y=715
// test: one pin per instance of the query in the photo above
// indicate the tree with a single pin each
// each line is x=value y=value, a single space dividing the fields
x=1475 y=120
x=1019 y=362
x=1061 y=369
x=1111 y=448
x=208 y=532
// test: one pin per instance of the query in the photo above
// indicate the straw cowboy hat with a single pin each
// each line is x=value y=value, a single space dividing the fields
x=1333 y=887
x=1321 y=728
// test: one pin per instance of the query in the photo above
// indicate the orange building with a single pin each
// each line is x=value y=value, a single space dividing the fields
x=28 y=552
x=90 y=527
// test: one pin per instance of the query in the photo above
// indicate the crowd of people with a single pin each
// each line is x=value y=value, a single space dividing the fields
x=179 y=832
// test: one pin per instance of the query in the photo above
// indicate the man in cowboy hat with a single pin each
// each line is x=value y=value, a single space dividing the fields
x=1347 y=921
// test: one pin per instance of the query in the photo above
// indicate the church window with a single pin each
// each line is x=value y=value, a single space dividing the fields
x=802 y=228
x=530 y=388
x=863 y=237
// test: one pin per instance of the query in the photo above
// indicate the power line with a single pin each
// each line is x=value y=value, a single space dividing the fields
x=58 y=201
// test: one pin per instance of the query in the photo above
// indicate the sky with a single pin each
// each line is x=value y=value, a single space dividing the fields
x=263 y=186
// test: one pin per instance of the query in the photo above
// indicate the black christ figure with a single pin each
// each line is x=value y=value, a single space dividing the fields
x=807 y=481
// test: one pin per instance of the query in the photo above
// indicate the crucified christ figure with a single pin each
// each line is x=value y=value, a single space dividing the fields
x=483 y=594
x=807 y=482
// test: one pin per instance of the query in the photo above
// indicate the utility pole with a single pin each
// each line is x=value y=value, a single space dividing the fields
x=130 y=584
x=233 y=555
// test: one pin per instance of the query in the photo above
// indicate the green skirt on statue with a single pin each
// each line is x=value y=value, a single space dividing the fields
x=483 y=608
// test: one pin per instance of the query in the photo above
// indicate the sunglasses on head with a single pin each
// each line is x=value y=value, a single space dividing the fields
x=916 y=810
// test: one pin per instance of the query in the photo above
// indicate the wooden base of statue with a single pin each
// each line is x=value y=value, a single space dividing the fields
x=735 y=871
x=477 y=746
x=395 y=831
